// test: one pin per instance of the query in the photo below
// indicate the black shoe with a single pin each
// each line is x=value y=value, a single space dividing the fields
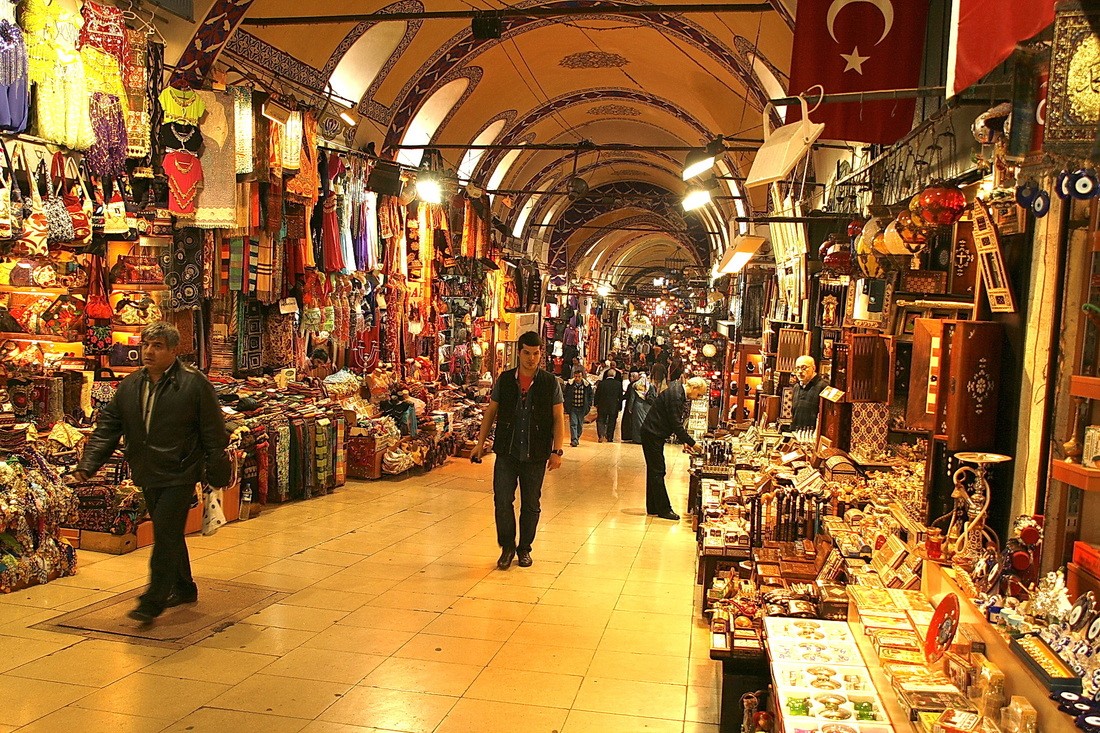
x=179 y=599
x=505 y=560
x=525 y=560
x=669 y=515
x=145 y=614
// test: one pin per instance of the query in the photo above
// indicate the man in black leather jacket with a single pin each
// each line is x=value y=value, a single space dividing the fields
x=175 y=437
x=666 y=418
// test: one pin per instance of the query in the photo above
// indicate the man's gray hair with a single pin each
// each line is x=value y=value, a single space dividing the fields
x=161 y=330
x=698 y=382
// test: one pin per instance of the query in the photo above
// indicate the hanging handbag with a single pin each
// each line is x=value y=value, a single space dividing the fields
x=78 y=206
x=15 y=197
x=34 y=241
x=140 y=312
x=114 y=211
x=6 y=178
x=124 y=355
x=57 y=216
x=131 y=207
x=64 y=319
x=98 y=313
x=135 y=269
x=296 y=221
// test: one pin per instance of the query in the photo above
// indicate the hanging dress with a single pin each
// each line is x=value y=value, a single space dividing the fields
x=14 y=85
x=51 y=34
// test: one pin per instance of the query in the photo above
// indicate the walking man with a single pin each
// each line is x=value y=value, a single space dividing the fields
x=175 y=438
x=526 y=405
x=666 y=418
x=609 y=401
x=578 y=401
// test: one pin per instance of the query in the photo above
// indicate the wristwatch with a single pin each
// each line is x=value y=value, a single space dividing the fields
x=558 y=452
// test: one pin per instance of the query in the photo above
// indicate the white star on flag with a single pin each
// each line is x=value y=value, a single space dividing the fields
x=854 y=61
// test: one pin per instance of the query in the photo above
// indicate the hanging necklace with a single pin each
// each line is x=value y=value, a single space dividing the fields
x=184 y=137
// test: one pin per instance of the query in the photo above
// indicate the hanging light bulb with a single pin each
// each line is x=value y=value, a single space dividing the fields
x=603 y=290
x=696 y=196
x=428 y=189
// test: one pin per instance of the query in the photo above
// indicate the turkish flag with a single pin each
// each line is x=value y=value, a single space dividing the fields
x=985 y=32
x=859 y=46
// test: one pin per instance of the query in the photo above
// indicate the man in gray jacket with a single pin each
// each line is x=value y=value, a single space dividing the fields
x=175 y=437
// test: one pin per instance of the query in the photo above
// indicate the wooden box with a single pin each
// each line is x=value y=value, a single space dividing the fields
x=72 y=535
x=870 y=368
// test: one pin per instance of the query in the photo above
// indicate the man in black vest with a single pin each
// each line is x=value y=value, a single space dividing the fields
x=666 y=418
x=807 y=394
x=526 y=405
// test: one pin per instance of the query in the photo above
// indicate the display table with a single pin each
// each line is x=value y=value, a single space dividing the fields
x=1019 y=680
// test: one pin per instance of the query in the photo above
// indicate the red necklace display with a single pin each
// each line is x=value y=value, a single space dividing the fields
x=184 y=172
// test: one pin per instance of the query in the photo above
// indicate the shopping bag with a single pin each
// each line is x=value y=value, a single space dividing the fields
x=213 y=516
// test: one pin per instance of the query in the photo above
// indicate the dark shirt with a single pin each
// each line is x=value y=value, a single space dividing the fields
x=668 y=414
x=806 y=403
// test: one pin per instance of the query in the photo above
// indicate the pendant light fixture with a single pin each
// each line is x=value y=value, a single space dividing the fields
x=701 y=160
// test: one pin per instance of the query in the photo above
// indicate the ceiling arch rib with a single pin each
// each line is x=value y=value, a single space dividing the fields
x=428 y=118
x=360 y=65
x=584 y=248
x=486 y=136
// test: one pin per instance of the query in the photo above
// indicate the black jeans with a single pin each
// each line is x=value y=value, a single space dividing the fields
x=656 y=495
x=169 y=565
x=605 y=424
x=507 y=472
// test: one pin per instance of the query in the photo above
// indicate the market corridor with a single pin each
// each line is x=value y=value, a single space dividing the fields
x=397 y=619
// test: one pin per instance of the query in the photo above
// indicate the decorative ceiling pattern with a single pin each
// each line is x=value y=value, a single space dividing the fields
x=615 y=110
x=593 y=60
x=490 y=162
x=661 y=202
x=464 y=45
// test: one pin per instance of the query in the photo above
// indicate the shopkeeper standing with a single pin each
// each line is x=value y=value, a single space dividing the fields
x=175 y=438
x=526 y=405
x=807 y=393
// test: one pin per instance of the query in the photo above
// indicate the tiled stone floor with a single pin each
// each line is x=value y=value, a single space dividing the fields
x=398 y=619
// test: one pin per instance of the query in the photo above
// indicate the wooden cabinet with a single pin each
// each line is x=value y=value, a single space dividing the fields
x=965 y=371
x=744 y=380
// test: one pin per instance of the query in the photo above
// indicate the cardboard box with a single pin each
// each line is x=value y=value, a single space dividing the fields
x=231 y=503
x=194 y=520
x=112 y=544
x=1087 y=557
x=145 y=533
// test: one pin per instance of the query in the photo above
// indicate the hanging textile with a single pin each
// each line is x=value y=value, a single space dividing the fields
x=103 y=29
x=107 y=157
x=475 y=230
x=277 y=345
x=51 y=34
x=249 y=330
x=265 y=255
x=209 y=263
x=243 y=128
x=292 y=142
x=181 y=105
x=307 y=182
x=154 y=74
x=14 y=85
x=135 y=79
x=184 y=272
x=275 y=151
x=184 y=172
x=216 y=204
x=236 y=263
x=253 y=264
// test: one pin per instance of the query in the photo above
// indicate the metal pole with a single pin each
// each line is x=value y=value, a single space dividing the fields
x=537 y=12
x=871 y=96
x=748 y=146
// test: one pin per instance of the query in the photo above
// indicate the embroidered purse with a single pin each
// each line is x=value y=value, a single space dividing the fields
x=134 y=269
x=79 y=207
x=57 y=216
x=34 y=240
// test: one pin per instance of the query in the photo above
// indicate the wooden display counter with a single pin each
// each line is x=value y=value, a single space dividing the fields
x=1019 y=680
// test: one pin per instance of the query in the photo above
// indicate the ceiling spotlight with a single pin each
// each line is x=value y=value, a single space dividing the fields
x=701 y=160
x=348 y=119
x=739 y=253
x=603 y=289
x=696 y=196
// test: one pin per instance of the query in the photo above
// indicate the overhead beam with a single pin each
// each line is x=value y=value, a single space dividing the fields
x=556 y=11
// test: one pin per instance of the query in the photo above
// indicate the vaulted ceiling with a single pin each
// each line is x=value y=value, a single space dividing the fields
x=657 y=82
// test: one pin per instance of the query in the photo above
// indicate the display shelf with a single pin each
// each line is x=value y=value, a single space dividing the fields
x=127 y=329
x=1087 y=387
x=1074 y=474
x=9 y=336
x=36 y=289
x=138 y=286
